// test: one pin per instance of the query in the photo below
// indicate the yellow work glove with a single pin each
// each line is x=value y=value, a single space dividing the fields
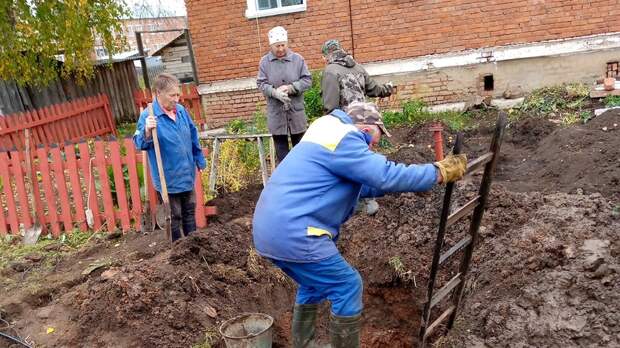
x=452 y=168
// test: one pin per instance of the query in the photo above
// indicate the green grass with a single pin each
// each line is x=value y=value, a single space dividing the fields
x=566 y=102
x=612 y=101
x=415 y=112
x=11 y=248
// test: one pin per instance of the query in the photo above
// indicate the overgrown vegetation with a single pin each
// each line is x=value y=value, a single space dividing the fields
x=568 y=103
x=11 y=248
x=612 y=101
x=415 y=112
x=238 y=161
x=313 y=101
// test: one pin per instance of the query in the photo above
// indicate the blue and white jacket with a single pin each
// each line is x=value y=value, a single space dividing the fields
x=316 y=188
x=180 y=149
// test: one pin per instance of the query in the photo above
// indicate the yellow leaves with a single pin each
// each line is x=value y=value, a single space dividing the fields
x=50 y=330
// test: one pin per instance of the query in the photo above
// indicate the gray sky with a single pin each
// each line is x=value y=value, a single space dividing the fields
x=176 y=7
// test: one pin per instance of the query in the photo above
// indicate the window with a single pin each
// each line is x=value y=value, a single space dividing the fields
x=264 y=8
x=185 y=59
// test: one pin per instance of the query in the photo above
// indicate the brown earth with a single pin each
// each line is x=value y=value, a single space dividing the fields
x=546 y=271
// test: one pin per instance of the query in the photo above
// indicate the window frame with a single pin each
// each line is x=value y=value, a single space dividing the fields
x=252 y=11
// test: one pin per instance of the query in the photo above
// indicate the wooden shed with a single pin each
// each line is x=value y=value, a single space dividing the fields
x=177 y=60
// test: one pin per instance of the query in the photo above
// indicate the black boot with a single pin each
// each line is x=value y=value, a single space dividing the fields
x=304 y=318
x=344 y=332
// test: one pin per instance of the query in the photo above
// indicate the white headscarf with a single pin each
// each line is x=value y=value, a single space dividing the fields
x=277 y=34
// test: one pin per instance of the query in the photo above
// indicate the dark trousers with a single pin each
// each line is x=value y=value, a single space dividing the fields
x=183 y=213
x=281 y=143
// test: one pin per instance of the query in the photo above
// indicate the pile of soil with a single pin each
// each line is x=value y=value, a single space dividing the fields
x=545 y=272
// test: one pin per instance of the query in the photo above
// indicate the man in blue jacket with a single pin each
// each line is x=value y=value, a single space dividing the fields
x=312 y=192
x=180 y=151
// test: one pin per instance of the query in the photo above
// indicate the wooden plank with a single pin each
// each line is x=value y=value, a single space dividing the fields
x=134 y=182
x=4 y=229
x=445 y=290
x=76 y=189
x=22 y=195
x=213 y=172
x=462 y=211
x=201 y=219
x=61 y=186
x=64 y=124
x=119 y=184
x=50 y=197
x=104 y=181
x=86 y=165
x=8 y=193
x=439 y=320
x=272 y=154
x=478 y=163
x=455 y=248
x=261 y=158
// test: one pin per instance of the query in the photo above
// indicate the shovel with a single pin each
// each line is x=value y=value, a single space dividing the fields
x=162 y=180
x=32 y=233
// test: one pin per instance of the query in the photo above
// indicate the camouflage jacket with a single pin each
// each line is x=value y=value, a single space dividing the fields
x=345 y=81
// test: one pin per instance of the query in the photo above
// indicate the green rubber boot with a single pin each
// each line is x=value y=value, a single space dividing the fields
x=344 y=332
x=304 y=318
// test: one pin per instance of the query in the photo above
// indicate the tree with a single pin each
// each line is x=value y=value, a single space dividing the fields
x=150 y=9
x=40 y=33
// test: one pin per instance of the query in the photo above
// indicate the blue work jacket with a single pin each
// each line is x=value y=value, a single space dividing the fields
x=180 y=149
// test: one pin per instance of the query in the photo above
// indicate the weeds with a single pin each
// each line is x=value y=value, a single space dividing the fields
x=566 y=102
x=313 y=101
x=397 y=264
x=612 y=101
x=211 y=337
x=415 y=112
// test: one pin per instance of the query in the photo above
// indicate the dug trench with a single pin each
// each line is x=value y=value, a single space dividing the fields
x=546 y=270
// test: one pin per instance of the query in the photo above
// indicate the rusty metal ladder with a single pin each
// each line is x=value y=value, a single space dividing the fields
x=456 y=285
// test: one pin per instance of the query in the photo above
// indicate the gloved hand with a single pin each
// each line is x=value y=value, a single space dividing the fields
x=283 y=97
x=369 y=206
x=452 y=168
x=288 y=89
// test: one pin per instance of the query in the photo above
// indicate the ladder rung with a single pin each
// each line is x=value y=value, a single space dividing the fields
x=464 y=210
x=478 y=162
x=445 y=290
x=455 y=248
x=436 y=323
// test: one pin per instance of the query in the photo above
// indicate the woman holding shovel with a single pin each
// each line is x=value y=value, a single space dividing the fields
x=166 y=123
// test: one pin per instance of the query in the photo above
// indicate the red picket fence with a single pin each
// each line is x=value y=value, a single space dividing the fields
x=70 y=121
x=78 y=177
x=189 y=98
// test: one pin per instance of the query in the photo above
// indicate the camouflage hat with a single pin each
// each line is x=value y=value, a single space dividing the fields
x=366 y=113
x=330 y=46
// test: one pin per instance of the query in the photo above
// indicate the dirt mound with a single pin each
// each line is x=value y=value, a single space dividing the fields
x=552 y=281
x=174 y=298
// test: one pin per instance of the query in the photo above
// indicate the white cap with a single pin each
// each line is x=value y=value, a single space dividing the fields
x=277 y=34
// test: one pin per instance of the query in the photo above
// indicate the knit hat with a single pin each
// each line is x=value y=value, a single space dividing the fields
x=366 y=113
x=277 y=34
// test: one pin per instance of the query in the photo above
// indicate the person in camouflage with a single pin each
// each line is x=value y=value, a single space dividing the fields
x=344 y=81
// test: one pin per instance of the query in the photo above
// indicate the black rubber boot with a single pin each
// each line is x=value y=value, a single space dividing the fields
x=303 y=324
x=344 y=332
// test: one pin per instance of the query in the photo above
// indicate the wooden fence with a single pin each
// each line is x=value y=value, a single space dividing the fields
x=189 y=98
x=117 y=81
x=69 y=121
x=104 y=175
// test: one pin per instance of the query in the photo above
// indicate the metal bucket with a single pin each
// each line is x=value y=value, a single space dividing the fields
x=251 y=330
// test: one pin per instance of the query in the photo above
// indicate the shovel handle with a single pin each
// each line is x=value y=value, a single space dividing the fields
x=160 y=167
x=29 y=176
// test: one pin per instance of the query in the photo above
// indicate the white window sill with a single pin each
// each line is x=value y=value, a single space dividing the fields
x=251 y=13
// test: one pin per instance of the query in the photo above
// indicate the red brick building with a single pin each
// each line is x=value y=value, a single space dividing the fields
x=441 y=51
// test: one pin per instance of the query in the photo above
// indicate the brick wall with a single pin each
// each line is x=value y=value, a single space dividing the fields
x=228 y=46
x=226 y=43
x=222 y=108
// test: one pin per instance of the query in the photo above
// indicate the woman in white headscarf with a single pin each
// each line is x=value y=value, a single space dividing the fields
x=283 y=77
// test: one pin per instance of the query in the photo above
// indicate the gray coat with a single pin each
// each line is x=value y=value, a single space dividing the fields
x=273 y=73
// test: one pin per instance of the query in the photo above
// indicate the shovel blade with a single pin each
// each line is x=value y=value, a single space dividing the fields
x=31 y=234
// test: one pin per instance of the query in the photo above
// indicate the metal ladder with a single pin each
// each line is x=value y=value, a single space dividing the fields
x=261 y=154
x=456 y=285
